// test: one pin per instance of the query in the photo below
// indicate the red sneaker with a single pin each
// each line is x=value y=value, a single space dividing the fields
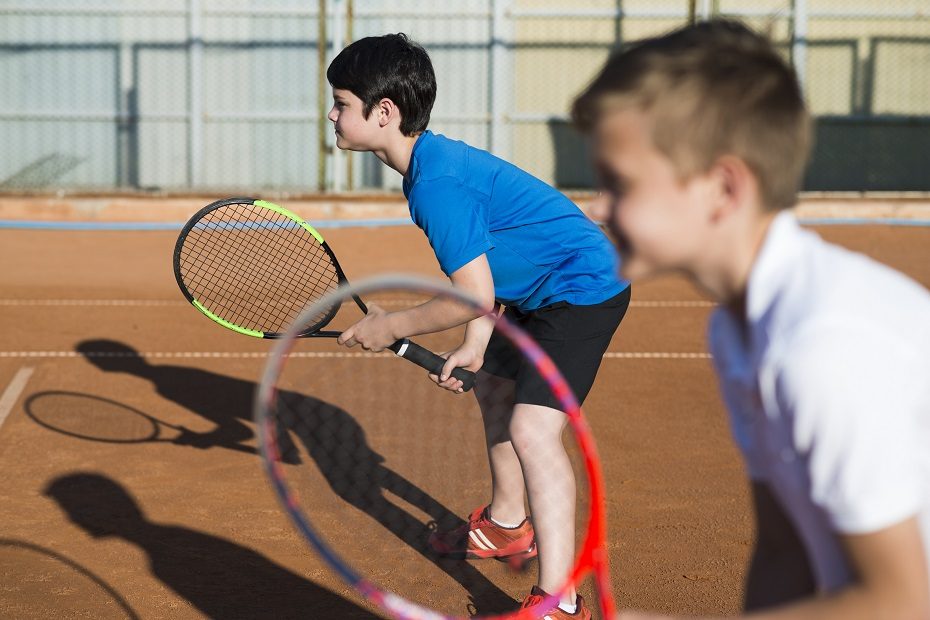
x=537 y=596
x=482 y=538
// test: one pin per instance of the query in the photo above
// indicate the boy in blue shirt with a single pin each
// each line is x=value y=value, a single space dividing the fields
x=509 y=240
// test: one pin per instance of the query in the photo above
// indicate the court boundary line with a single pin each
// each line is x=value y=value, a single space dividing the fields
x=682 y=303
x=157 y=226
x=387 y=222
x=296 y=354
x=13 y=390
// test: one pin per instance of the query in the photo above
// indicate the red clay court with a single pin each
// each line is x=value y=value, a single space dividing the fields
x=152 y=529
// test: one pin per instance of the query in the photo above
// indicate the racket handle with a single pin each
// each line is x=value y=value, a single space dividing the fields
x=424 y=358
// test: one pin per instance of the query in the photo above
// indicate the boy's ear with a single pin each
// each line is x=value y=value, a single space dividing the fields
x=387 y=112
x=735 y=185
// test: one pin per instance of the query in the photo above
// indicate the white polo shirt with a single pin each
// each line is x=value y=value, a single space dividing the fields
x=829 y=391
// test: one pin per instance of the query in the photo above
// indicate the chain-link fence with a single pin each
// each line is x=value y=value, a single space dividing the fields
x=209 y=94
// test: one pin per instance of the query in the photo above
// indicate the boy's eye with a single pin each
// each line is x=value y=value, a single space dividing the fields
x=611 y=183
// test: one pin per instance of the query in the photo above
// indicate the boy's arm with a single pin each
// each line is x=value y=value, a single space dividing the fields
x=473 y=278
x=380 y=328
x=864 y=412
x=470 y=354
x=892 y=580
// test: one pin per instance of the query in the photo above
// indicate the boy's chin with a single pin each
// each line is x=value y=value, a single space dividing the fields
x=632 y=269
x=345 y=145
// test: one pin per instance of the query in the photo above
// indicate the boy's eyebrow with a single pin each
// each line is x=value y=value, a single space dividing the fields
x=607 y=174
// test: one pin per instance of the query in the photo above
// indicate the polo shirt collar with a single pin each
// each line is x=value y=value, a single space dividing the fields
x=774 y=265
x=414 y=167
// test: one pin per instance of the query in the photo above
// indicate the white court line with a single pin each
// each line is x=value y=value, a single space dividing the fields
x=669 y=355
x=91 y=302
x=673 y=304
x=179 y=354
x=12 y=392
x=299 y=354
x=383 y=302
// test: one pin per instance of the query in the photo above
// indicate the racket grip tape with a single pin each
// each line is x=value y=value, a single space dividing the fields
x=424 y=358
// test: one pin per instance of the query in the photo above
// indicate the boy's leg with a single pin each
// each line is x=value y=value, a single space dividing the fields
x=495 y=399
x=536 y=433
x=575 y=337
x=501 y=529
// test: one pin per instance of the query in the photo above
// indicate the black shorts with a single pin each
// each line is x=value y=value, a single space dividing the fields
x=575 y=337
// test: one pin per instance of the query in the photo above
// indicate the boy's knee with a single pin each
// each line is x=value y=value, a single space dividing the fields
x=536 y=431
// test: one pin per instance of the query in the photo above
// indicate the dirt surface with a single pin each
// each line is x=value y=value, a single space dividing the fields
x=137 y=525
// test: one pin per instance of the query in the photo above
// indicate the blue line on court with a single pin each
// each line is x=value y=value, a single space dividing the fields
x=40 y=225
x=376 y=223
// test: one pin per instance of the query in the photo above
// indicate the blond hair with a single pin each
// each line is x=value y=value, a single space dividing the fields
x=712 y=89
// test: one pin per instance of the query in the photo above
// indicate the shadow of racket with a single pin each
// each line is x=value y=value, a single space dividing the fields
x=94 y=418
x=21 y=560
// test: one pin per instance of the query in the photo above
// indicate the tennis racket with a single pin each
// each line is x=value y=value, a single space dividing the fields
x=401 y=477
x=252 y=266
x=94 y=418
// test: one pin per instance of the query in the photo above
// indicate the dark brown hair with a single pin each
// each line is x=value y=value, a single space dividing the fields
x=390 y=66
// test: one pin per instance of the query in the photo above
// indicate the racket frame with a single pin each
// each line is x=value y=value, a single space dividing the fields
x=592 y=558
x=404 y=347
x=309 y=332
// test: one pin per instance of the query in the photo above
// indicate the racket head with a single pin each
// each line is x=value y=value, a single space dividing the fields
x=252 y=266
x=591 y=558
x=93 y=418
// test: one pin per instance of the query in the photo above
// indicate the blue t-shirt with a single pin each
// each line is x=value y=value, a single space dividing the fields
x=540 y=246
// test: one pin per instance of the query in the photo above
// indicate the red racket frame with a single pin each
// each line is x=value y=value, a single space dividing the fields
x=593 y=555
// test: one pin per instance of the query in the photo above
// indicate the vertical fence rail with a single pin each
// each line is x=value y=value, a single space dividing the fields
x=195 y=109
x=498 y=77
x=322 y=141
x=799 y=39
x=336 y=181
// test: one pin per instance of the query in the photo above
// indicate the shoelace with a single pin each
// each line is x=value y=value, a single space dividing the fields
x=482 y=520
x=537 y=597
x=532 y=600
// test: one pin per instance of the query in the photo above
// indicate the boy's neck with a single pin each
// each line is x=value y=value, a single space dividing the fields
x=726 y=275
x=396 y=153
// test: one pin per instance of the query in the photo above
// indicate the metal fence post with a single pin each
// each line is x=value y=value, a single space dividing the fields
x=799 y=40
x=195 y=94
x=321 y=94
x=338 y=37
x=499 y=79
x=350 y=36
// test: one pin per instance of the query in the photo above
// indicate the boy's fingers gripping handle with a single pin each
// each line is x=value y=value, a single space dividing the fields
x=425 y=358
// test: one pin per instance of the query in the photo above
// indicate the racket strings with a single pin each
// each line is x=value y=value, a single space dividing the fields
x=225 y=291
x=254 y=267
x=265 y=291
x=274 y=261
x=381 y=467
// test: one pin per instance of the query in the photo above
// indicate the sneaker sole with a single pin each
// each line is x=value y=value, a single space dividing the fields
x=516 y=561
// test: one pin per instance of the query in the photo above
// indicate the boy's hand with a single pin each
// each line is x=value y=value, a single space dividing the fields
x=374 y=332
x=466 y=357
